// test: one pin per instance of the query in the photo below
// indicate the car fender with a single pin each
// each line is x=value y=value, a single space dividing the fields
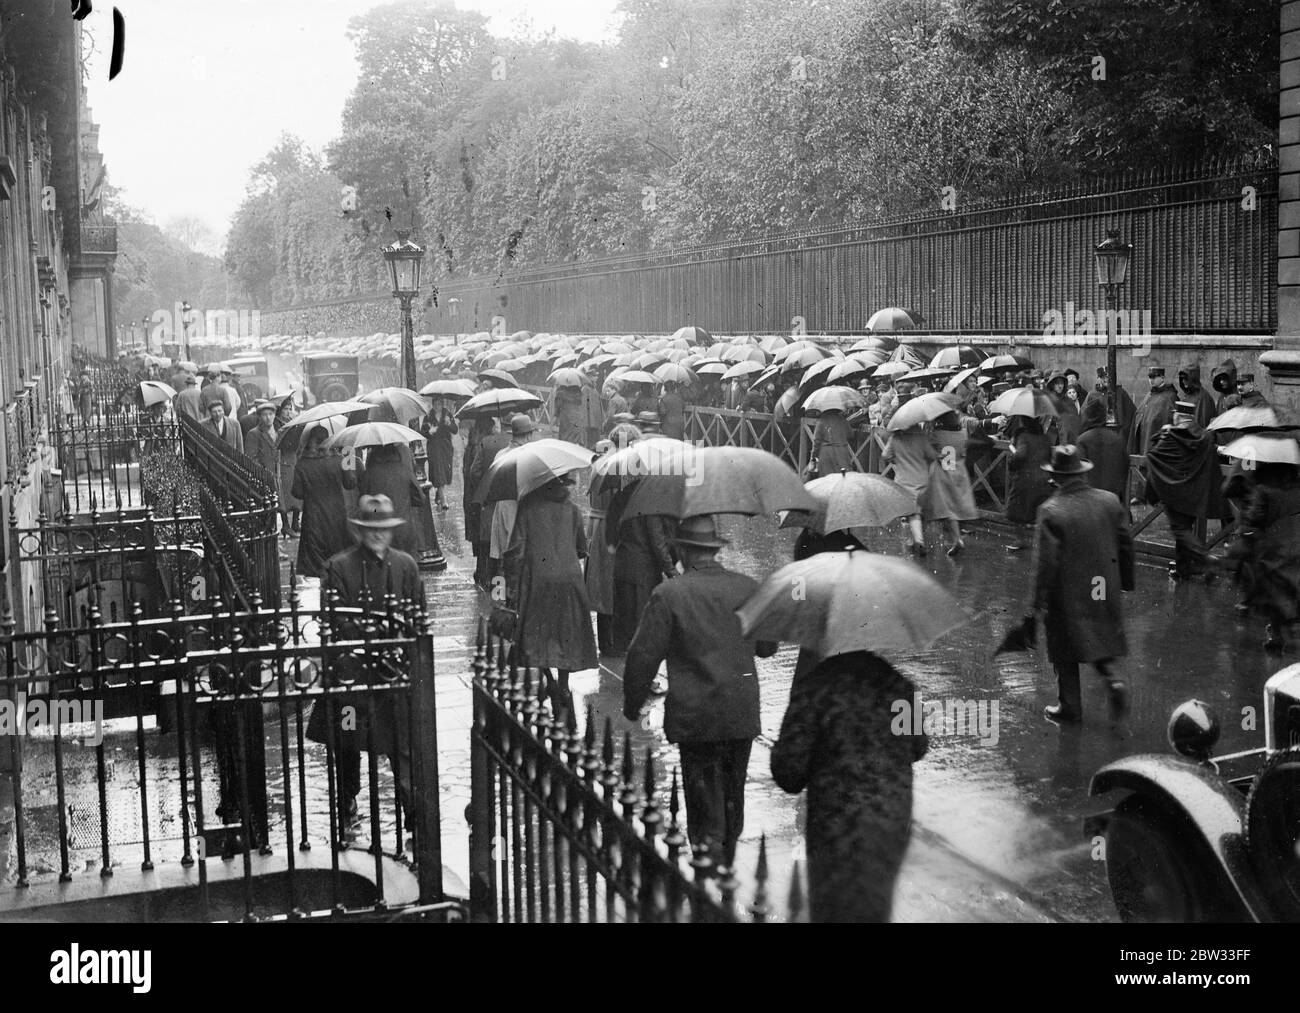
x=1214 y=808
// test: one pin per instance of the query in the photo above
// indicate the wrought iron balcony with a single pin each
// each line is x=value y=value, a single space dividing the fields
x=98 y=239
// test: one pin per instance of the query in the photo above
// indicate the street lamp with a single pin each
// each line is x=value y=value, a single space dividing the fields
x=404 y=258
x=1112 y=256
x=185 y=329
x=144 y=327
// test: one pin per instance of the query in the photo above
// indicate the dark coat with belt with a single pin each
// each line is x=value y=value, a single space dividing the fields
x=1106 y=449
x=363 y=580
x=318 y=484
x=543 y=569
x=260 y=446
x=838 y=742
x=691 y=622
x=1083 y=558
x=643 y=558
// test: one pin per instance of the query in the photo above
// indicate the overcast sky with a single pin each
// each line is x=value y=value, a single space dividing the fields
x=206 y=88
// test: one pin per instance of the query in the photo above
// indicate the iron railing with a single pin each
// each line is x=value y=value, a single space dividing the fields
x=145 y=794
x=562 y=831
x=22 y=427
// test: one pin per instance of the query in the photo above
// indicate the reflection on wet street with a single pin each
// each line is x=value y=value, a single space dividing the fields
x=998 y=815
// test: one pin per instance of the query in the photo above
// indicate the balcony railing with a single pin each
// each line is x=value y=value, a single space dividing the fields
x=99 y=239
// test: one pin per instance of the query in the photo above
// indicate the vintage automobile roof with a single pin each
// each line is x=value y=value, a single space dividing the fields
x=328 y=355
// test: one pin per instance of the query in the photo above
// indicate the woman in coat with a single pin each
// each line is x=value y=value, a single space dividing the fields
x=912 y=453
x=951 y=497
x=543 y=570
x=439 y=427
x=830 y=449
x=1105 y=448
x=570 y=414
x=600 y=563
x=1027 y=483
x=318 y=485
x=390 y=471
x=837 y=742
x=290 y=505
x=1269 y=552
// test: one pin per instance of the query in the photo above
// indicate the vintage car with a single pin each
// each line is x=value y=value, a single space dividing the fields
x=329 y=376
x=1198 y=838
x=252 y=375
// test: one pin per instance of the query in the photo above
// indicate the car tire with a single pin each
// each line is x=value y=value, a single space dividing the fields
x=1159 y=869
x=1273 y=832
x=335 y=392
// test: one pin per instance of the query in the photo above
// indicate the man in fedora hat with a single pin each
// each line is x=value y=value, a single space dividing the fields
x=711 y=710
x=189 y=400
x=363 y=577
x=1083 y=558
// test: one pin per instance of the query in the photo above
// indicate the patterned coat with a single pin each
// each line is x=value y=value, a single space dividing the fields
x=837 y=742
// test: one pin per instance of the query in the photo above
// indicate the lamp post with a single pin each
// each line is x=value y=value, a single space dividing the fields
x=144 y=328
x=1112 y=257
x=404 y=258
x=185 y=329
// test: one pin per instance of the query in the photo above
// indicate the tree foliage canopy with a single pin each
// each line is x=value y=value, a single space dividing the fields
x=709 y=119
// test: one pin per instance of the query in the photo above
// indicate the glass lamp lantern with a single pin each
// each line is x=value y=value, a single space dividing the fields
x=404 y=258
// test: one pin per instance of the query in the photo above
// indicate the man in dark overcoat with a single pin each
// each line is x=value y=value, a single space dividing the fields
x=642 y=559
x=259 y=442
x=1083 y=558
x=711 y=710
x=1154 y=413
x=362 y=577
x=1183 y=473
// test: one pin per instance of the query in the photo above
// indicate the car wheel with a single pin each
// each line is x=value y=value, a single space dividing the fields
x=1273 y=832
x=335 y=392
x=1158 y=869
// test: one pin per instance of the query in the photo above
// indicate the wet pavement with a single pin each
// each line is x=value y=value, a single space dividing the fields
x=997 y=834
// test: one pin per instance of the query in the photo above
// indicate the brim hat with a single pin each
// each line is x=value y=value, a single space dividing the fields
x=1066 y=461
x=376 y=512
x=1184 y=408
x=699 y=531
x=1154 y=371
x=263 y=405
x=522 y=425
x=647 y=419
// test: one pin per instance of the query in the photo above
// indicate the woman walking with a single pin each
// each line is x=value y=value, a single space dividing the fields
x=951 y=498
x=1027 y=482
x=318 y=485
x=912 y=452
x=439 y=427
x=837 y=742
x=543 y=570
x=290 y=505
x=831 y=453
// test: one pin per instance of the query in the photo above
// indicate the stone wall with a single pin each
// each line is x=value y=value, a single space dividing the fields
x=1284 y=362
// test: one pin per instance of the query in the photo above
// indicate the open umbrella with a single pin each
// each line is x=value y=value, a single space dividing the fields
x=516 y=472
x=773 y=343
x=1251 y=417
x=997 y=363
x=498 y=376
x=785 y=404
x=672 y=372
x=648 y=361
x=926 y=374
x=909 y=355
x=637 y=376
x=566 y=378
x=714 y=368
x=721 y=480
x=875 y=343
x=292 y=431
x=815 y=375
x=448 y=388
x=498 y=402
x=802 y=358
x=891 y=319
x=650 y=455
x=373 y=434
x=1028 y=401
x=693 y=335
x=1261 y=448
x=403 y=403
x=290 y=439
x=850 y=370
x=951 y=386
x=852 y=601
x=920 y=410
x=843 y=399
x=743 y=369
x=154 y=392
x=957 y=356
x=891 y=370
x=852 y=499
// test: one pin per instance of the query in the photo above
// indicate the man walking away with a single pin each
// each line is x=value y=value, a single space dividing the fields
x=1083 y=558
x=1104 y=447
x=711 y=711
x=1183 y=474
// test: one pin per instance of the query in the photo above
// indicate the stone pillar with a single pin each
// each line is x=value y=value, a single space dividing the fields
x=1283 y=363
